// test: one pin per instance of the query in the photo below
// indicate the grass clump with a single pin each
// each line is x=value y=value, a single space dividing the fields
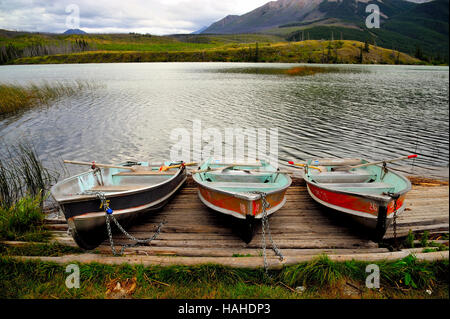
x=23 y=221
x=410 y=273
x=424 y=239
x=14 y=98
x=320 y=271
x=409 y=241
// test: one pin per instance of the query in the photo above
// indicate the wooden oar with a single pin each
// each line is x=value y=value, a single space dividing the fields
x=377 y=163
x=98 y=165
x=166 y=168
x=304 y=165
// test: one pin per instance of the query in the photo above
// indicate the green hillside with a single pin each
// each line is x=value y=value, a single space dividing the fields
x=420 y=30
x=314 y=51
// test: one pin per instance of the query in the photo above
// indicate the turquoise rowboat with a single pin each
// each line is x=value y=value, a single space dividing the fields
x=239 y=190
x=372 y=195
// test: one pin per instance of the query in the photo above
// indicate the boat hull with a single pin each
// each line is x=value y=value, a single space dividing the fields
x=239 y=206
x=374 y=214
x=87 y=220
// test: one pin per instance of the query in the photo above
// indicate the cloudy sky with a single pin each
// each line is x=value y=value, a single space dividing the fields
x=143 y=16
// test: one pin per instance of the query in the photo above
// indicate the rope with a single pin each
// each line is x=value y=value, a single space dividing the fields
x=109 y=216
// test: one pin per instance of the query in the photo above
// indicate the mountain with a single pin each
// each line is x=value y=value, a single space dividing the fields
x=268 y=16
x=199 y=31
x=74 y=31
x=408 y=26
x=281 y=12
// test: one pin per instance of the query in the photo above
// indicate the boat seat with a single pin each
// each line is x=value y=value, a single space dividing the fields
x=336 y=162
x=117 y=188
x=145 y=173
x=243 y=185
x=363 y=187
x=343 y=177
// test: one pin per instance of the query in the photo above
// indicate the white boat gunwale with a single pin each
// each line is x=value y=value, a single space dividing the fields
x=88 y=197
x=131 y=209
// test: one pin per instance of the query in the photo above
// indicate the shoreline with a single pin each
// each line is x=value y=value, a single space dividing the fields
x=310 y=51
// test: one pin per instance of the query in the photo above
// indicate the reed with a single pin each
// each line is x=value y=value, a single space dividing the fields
x=24 y=183
x=22 y=174
x=14 y=98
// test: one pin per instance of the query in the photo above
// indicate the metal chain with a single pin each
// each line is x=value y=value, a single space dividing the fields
x=265 y=226
x=109 y=216
x=395 y=198
x=395 y=223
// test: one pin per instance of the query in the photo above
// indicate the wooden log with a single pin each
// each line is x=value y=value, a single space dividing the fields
x=237 y=262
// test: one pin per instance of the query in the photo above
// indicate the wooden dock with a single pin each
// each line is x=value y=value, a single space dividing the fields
x=194 y=234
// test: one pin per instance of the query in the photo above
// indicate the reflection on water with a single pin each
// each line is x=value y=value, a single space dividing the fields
x=373 y=112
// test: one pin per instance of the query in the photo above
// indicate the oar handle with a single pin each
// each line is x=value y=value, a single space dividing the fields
x=305 y=165
x=388 y=161
x=166 y=168
x=97 y=165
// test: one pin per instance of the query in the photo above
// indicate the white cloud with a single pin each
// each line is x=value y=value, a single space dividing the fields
x=151 y=16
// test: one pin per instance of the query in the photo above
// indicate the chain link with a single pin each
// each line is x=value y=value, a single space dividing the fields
x=266 y=227
x=395 y=222
x=109 y=216
x=395 y=198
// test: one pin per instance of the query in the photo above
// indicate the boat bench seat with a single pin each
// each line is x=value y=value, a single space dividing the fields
x=343 y=177
x=362 y=187
x=117 y=188
x=145 y=173
x=243 y=185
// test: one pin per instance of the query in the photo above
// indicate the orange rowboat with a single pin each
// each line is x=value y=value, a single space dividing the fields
x=242 y=190
x=371 y=194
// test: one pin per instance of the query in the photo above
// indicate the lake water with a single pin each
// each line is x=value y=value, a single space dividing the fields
x=373 y=112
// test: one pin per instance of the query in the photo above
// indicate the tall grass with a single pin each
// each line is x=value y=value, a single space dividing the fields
x=14 y=98
x=22 y=174
x=24 y=183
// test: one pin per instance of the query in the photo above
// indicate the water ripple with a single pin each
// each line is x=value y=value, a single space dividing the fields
x=373 y=112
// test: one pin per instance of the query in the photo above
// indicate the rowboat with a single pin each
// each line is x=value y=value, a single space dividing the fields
x=242 y=191
x=371 y=194
x=131 y=191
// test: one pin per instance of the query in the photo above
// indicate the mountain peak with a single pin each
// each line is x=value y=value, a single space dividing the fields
x=275 y=13
x=74 y=31
x=267 y=16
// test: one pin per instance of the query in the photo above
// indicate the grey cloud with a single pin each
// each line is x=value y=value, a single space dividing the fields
x=155 y=16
